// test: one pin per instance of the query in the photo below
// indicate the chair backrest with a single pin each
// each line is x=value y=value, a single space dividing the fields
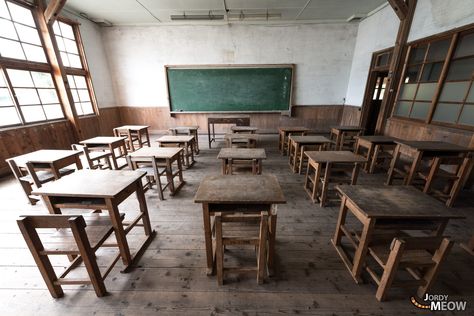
x=135 y=162
x=86 y=153
x=17 y=172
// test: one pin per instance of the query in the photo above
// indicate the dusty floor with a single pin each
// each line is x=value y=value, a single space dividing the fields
x=171 y=278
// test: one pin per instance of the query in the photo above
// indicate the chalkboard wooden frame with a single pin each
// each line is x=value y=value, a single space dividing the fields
x=213 y=66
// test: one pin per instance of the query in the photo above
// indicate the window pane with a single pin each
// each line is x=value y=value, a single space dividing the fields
x=408 y=91
x=56 y=28
x=417 y=54
x=20 y=78
x=65 y=59
x=87 y=108
x=470 y=97
x=420 y=110
x=60 y=42
x=21 y=14
x=431 y=72
x=7 y=30
x=75 y=61
x=33 y=113
x=426 y=91
x=78 y=109
x=53 y=111
x=9 y=116
x=27 y=96
x=34 y=53
x=467 y=115
x=411 y=74
x=3 y=10
x=80 y=82
x=454 y=91
x=28 y=34
x=70 y=80
x=75 y=95
x=403 y=108
x=48 y=96
x=42 y=79
x=461 y=69
x=3 y=83
x=66 y=30
x=84 y=95
x=11 y=49
x=465 y=46
x=71 y=46
x=5 y=97
x=446 y=112
x=383 y=59
x=438 y=50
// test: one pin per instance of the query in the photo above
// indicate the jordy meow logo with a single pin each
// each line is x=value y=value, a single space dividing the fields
x=434 y=302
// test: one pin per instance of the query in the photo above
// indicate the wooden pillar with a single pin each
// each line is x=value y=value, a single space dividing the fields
x=405 y=11
x=59 y=74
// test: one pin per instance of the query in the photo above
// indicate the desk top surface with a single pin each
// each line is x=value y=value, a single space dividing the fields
x=102 y=140
x=132 y=127
x=242 y=153
x=293 y=129
x=44 y=156
x=240 y=189
x=310 y=139
x=396 y=202
x=378 y=139
x=175 y=138
x=434 y=146
x=158 y=152
x=91 y=183
x=347 y=128
x=334 y=156
x=190 y=127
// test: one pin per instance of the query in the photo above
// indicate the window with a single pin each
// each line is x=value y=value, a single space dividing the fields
x=450 y=99
x=27 y=90
x=78 y=76
x=422 y=73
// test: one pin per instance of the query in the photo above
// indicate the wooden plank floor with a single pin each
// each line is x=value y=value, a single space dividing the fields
x=170 y=279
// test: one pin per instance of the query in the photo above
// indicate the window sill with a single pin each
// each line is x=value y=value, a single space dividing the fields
x=18 y=127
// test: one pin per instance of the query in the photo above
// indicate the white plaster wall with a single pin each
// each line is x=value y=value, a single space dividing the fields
x=98 y=62
x=322 y=54
x=436 y=16
x=375 y=33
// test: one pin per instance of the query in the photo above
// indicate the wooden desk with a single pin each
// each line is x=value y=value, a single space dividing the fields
x=188 y=130
x=102 y=190
x=298 y=145
x=419 y=150
x=134 y=132
x=108 y=143
x=385 y=209
x=284 y=132
x=248 y=140
x=165 y=156
x=253 y=156
x=376 y=147
x=184 y=141
x=249 y=193
x=244 y=129
x=328 y=160
x=239 y=120
x=51 y=164
x=339 y=133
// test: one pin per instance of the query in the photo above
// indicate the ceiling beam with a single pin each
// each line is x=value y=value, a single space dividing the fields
x=52 y=11
x=400 y=8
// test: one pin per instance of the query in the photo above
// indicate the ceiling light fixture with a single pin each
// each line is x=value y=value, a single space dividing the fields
x=253 y=16
x=191 y=17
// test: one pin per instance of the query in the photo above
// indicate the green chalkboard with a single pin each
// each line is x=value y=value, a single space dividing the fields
x=230 y=89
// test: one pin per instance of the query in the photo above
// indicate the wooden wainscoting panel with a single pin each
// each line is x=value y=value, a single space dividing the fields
x=351 y=115
x=103 y=124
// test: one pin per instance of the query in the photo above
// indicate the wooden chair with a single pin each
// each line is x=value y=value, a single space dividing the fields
x=453 y=171
x=153 y=174
x=132 y=136
x=29 y=175
x=94 y=159
x=258 y=240
x=254 y=165
x=421 y=257
x=348 y=140
x=241 y=142
x=78 y=236
x=182 y=154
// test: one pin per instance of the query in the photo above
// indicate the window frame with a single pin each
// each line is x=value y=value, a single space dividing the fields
x=84 y=71
x=454 y=36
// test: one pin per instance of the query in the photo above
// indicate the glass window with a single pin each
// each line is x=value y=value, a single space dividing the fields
x=402 y=108
x=467 y=115
x=417 y=54
x=80 y=93
x=67 y=44
x=19 y=37
x=420 y=110
x=426 y=91
x=438 y=50
x=461 y=69
x=431 y=72
x=446 y=112
x=454 y=91
x=465 y=46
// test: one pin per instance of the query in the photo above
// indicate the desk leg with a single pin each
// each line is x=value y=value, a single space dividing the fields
x=114 y=158
x=206 y=216
x=130 y=141
x=140 y=135
x=370 y=158
x=325 y=187
x=186 y=153
x=196 y=137
x=78 y=163
x=259 y=166
x=147 y=135
x=169 y=174
x=122 y=243
x=272 y=239
x=393 y=163
x=355 y=173
x=223 y=166
x=361 y=251
x=414 y=168
x=280 y=142
x=338 y=140
x=375 y=156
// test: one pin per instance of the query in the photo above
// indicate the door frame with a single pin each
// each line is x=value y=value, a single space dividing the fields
x=374 y=71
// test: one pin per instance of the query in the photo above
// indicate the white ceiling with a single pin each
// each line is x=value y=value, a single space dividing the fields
x=136 y=12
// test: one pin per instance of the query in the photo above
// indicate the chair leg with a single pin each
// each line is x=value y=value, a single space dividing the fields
x=390 y=271
x=262 y=246
x=28 y=189
x=272 y=241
